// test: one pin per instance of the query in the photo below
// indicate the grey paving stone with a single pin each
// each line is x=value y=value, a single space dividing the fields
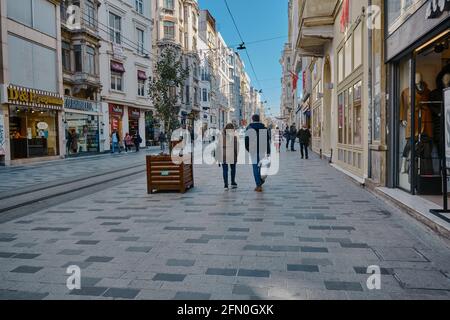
x=111 y=223
x=354 y=245
x=302 y=268
x=221 y=272
x=27 y=269
x=345 y=228
x=26 y=256
x=238 y=229
x=88 y=242
x=201 y=241
x=71 y=252
x=338 y=240
x=171 y=277
x=139 y=249
x=119 y=230
x=7 y=254
x=235 y=237
x=314 y=249
x=343 y=285
x=272 y=234
x=7 y=239
x=317 y=261
x=82 y=234
x=121 y=293
x=384 y=271
x=127 y=239
x=89 y=291
x=56 y=229
x=253 y=292
x=89 y=281
x=180 y=263
x=24 y=245
x=99 y=259
x=188 y=295
x=253 y=273
x=310 y=239
x=21 y=295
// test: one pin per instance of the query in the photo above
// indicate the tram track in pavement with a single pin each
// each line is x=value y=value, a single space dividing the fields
x=26 y=201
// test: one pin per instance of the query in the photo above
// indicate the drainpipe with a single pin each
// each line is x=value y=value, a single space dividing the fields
x=370 y=95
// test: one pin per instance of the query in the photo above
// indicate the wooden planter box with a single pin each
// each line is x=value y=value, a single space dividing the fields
x=164 y=175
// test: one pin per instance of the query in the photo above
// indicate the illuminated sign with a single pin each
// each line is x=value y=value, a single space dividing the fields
x=34 y=98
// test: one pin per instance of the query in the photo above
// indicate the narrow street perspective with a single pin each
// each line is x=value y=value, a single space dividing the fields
x=188 y=154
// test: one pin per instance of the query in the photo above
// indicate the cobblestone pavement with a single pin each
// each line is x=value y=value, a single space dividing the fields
x=310 y=235
x=17 y=177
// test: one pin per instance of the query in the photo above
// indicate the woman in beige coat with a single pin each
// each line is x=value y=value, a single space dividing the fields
x=227 y=154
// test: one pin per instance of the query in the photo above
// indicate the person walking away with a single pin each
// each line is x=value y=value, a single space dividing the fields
x=227 y=154
x=137 y=141
x=128 y=142
x=293 y=136
x=287 y=136
x=74 y=145
x=304 y=135
x=115 y=138
x=162 y=141
x=258 y=149
x=276 y=137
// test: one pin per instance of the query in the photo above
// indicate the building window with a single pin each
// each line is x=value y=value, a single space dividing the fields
x=90 y=14
x=139 y=4
x=340 y=118
x=194 y=21
x=78 y=58
x=115 y=28
x=141 y=88
x=66 y=56
x=140 y=41
x=169 y=30
x=187 y=95
x=341 y=65
x=168 y=4
x=357 y=115
x=116 y=81
x=90 y=63
x=205 y=95
x=348 y=57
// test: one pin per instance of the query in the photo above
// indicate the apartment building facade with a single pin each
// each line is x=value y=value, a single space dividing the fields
x=31 y=82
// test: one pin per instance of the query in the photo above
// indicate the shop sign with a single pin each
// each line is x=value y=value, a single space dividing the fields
x=34 y=98
x=134 y=113
x=81 y=105
x=436 y=8
x=116 y=110
x=42 y=125
x=118 y=51
x=2 y=134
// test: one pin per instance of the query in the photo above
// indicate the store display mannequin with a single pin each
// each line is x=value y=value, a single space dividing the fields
x=422 y=94
x=442 y=82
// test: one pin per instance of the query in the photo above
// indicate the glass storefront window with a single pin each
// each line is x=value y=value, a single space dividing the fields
x=82 y=133
x=404 y=131
x=357 y=117
x=340 y=118
x=33 y=132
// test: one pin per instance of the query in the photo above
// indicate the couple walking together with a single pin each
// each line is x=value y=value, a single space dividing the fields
x=257 y=143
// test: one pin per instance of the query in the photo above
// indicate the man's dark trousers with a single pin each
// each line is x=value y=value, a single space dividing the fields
x=304 y=150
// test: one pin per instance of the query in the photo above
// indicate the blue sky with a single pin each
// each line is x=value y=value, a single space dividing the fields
x=256 y=20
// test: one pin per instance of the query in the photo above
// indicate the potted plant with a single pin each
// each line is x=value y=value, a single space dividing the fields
x=163 y=174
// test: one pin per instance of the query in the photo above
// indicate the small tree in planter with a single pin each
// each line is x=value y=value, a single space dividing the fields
x=162 y=172
x=169 y=75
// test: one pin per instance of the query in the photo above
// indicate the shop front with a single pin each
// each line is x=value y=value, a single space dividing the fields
x=81 y=122
x=133 y=121
x=152 y=128
x=419 y=73
x=33 y=122
x=115 y=118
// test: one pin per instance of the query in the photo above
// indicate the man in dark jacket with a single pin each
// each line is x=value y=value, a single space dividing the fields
x=304 y=135
x=257 y=143
x=293 y=134
x=287 y=136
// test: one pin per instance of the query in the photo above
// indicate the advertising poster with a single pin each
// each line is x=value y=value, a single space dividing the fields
x=2 y=134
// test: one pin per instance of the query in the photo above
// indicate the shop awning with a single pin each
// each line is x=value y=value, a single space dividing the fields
x=141 y=75
x=117 y=67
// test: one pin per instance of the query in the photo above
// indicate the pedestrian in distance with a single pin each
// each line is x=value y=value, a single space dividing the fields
x=293 y=136
x=162 y=141
x=227 y=154
x=115 y=139
x=304 y=136
x=257 y=143
x=277 y=137
x=137 y=141
x=287 y=136
x=128 y=142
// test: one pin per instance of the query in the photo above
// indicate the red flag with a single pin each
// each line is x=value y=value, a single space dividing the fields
x=345 y=16
x=294 y=81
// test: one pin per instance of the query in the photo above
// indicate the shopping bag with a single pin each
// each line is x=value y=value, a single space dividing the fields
x=264 y=165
